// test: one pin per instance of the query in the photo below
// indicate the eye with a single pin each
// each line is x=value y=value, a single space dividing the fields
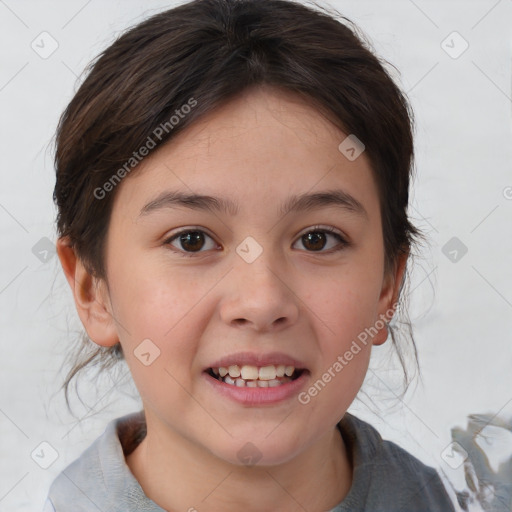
x=190 y=241
x=317 y=239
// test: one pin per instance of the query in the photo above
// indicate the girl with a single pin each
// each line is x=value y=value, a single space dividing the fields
x=232 y=192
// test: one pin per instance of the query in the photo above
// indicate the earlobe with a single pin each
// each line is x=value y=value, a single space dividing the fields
x=389 y=298
x=90 y=295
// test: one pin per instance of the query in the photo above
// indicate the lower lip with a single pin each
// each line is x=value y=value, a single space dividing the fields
x=258 y=396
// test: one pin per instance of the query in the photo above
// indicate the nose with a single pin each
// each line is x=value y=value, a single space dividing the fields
x=258 y=296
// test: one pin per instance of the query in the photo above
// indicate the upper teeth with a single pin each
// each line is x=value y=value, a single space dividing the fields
x=249 y=372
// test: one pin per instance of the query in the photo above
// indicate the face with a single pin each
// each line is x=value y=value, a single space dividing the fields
x=261 y=276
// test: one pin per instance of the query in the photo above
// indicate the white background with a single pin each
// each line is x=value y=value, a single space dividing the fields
x=462 y=311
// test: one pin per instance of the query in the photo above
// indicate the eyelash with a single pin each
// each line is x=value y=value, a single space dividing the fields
x=343 y=243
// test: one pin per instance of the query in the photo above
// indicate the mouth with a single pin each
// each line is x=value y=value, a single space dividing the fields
x=250 y=376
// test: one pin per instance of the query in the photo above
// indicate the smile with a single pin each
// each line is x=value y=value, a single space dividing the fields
x=254 y=376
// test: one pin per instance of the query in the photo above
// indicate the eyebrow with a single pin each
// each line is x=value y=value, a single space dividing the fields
x=296 y=203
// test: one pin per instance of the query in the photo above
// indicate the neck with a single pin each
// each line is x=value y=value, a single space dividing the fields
x=179 y=475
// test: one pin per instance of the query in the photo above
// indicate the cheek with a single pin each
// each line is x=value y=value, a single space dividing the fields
x=151 y=297
x=345 y=303
x=344 y=358
x=343 y=307
x=166 y=313
x=160 y=308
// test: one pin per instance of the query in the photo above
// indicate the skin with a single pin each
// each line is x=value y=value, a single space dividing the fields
x=257 y=150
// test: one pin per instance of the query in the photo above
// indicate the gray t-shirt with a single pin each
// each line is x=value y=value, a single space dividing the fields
x=386 y=478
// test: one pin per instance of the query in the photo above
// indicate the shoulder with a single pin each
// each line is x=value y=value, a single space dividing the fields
x=386 y=477
x=82 y=482
x=100 y=479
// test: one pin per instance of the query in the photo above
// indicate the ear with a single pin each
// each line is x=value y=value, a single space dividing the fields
x=389 y=297
x=91 y=297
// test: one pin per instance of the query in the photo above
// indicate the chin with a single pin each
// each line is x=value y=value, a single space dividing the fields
x=257 y=451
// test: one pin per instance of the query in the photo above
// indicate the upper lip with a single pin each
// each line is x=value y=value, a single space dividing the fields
x=255 y=359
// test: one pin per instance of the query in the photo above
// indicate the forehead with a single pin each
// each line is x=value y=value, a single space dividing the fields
x=258 y=120
x=266 y=143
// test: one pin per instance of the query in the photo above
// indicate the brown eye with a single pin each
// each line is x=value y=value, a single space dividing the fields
x=190 y=241
x=314 y=240
x=321 y=238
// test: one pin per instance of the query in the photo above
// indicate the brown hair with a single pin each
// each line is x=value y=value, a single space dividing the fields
x=209 y=51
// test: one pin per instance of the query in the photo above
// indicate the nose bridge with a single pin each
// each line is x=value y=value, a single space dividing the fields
x=260 y=297
x=258 y=270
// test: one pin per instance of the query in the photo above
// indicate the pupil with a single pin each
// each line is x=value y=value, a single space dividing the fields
x=194 y=239
x=317 y=238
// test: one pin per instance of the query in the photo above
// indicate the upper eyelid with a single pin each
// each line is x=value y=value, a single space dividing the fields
x=187 y=230
x=315 y=227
